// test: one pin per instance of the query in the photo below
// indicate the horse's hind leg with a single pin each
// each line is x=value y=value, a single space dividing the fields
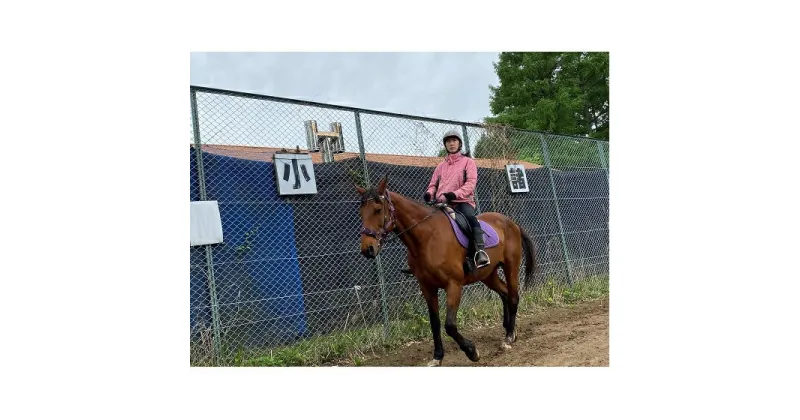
x=511 y=271
x=494 y=283
x=453 y=300
x=432 y=299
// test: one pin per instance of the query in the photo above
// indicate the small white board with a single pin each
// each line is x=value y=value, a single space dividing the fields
x=205 y=223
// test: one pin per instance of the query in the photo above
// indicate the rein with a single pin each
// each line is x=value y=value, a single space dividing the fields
x=383 y=232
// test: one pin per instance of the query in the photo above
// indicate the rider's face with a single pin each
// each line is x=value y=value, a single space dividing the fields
x=452 y=144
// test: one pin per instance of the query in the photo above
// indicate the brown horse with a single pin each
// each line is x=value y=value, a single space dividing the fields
x=435 y=258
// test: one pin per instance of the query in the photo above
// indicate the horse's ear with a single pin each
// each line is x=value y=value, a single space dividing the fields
x=382 y=186
x=360 y=190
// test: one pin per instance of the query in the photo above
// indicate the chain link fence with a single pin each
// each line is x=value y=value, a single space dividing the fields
x=290 y=270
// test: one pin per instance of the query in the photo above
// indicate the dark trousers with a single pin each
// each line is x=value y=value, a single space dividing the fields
x=469 y=212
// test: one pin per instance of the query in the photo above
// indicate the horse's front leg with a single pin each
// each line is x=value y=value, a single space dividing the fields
x=453 y=300
x=432 y=299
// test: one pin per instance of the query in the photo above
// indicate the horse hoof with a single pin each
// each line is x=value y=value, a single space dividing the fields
x=434 y=362
x=505 y=346
x=476 y=356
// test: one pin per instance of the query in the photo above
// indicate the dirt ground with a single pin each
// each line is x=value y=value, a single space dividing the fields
x=565 y=336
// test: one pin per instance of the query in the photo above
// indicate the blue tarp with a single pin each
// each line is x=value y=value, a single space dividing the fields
x=256 y=270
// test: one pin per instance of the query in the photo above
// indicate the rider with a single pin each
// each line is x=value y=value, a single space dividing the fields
x=454 y=182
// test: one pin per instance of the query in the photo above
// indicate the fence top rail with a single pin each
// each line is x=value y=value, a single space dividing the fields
x=205 y=89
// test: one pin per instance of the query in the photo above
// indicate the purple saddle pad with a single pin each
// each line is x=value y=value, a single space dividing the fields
x=490 y=238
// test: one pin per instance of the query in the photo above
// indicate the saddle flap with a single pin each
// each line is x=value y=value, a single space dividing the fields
x=463 y=224
x=460 y=219
x=463 y=230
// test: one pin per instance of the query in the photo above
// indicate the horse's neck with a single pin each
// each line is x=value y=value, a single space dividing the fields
x=408 y=213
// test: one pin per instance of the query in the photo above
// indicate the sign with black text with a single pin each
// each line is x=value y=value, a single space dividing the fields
x=294 y=174
x=517 y=178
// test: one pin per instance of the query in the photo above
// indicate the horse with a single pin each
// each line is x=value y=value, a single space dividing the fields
x=435 y=258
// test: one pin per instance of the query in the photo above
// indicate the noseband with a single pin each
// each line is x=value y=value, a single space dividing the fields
x=384 y=230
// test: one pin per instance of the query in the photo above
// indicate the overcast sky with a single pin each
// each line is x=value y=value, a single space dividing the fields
x=441 y=85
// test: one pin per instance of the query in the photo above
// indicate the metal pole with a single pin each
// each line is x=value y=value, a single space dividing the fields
x=466 y=145
x=212 y=288
x=378 y=263
x=466 y=138
x=361 y=149
x=546 y=155
x=605 y=168
x=602 y=157
x=327 y=150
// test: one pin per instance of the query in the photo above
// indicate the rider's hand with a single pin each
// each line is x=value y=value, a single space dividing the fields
x=450 y=196
x=427 y=197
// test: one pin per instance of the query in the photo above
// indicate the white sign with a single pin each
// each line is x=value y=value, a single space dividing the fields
x=294 y=174
x=205 y=225
x=517 y=178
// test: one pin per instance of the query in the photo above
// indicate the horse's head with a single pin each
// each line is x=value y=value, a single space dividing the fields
x=377 y=217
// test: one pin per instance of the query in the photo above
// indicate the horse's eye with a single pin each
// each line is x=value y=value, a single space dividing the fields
x=379 y=210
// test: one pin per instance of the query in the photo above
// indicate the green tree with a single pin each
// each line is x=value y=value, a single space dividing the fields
x=563 y=93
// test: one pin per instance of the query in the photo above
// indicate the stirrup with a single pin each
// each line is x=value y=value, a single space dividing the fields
x=475 y=259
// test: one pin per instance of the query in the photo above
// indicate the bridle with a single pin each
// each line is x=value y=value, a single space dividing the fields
x=383 y=232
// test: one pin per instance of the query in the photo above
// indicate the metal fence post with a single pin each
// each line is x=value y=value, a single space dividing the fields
x=212 y=288
x=466 y=145
x=466 y=138
x=378 y=263
x=602 y=157
x=546 y=155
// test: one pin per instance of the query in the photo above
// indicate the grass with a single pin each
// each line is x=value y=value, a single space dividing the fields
x=410 y=324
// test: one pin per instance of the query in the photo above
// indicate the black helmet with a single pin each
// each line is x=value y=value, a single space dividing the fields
x=453 y=133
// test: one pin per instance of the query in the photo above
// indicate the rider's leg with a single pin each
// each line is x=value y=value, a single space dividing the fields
x=481 y=257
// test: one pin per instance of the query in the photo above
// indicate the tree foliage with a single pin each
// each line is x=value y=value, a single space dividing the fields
x=564 y=93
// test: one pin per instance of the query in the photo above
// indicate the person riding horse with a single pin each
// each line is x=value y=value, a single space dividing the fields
x=454 y=182
x=434 y=256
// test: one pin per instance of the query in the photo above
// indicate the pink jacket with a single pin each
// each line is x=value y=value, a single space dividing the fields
x=450 y=177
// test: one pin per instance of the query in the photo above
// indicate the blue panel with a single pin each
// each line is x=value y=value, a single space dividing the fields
x=256 y=270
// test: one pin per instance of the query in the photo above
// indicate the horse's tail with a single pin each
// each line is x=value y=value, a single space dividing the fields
x=530 y=258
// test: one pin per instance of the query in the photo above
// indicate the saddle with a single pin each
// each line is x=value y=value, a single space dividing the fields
x=464 y=233
x=459 y=218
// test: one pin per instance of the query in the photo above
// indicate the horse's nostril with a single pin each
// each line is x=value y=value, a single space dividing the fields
x=371 y=250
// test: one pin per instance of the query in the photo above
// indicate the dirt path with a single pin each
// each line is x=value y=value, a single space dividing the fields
x=568 y=336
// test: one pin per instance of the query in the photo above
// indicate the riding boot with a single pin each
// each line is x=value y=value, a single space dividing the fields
x=481 y=257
